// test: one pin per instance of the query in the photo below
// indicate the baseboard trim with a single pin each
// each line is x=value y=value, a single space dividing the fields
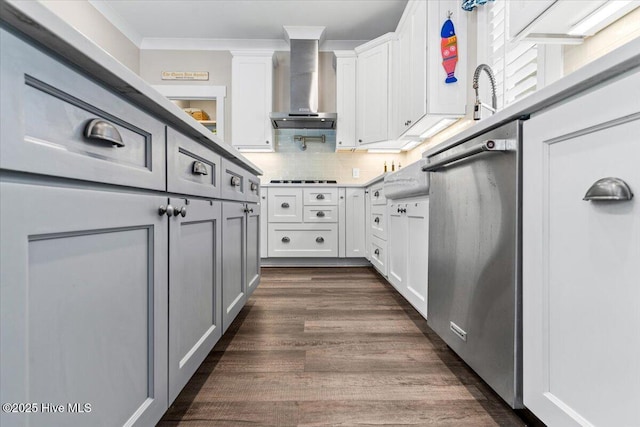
x=315 y=262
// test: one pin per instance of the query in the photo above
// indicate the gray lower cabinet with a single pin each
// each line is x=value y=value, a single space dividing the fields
x=254 y=214
x=83 y=305
x=195 y=287
x=240 y=257
x=234 y=284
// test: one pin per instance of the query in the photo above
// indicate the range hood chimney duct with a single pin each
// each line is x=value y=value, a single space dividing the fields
x=303 y=112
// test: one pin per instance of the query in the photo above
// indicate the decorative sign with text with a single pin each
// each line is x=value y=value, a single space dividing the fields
x=185 y=75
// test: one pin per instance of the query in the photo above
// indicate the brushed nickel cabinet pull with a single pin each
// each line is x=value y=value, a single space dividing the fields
x=320 y=214
x=235 y=181
x=102 y=130
x=319 y=239
x=285 y=239
x=199 y=168
x=320 y=197
x=609 y=190
x=284 y=205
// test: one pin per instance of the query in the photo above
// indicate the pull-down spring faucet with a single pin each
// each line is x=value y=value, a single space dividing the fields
x=477 y=109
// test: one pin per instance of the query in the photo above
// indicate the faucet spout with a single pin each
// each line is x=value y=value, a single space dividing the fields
x=477 y=111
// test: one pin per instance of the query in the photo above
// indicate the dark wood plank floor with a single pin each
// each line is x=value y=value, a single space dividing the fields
x=333 y=346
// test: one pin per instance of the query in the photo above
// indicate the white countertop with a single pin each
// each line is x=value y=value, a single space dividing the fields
x=602 y=69
x=48 y=30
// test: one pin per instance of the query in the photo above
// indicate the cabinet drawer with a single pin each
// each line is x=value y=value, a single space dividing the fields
x=303 y=240
x=320 y=196
x=379 y=222
x=378 y=254
x=253 y=188
x=377 y=195
x=192 y=167
x=233 y=185
x=285 y=205
x=49 y=109
x=320 y=214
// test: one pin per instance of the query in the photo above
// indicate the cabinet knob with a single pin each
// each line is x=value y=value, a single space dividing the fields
x=377 y=220
x=319 y=239
x=235 y=181
x=284 y=205
x=102 y=130
x=340 y=143
x=166 y=210
x=285 y=239
x=376 y=194
x=320 y=197
x=320 y=214
x=266 y=142
x=181 y=211
x=377 y=252
x=254 y=186
x=359 y=140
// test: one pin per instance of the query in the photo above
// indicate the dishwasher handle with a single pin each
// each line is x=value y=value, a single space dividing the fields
x=500 y=145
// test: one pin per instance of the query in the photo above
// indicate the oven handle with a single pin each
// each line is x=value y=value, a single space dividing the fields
x=500 y=145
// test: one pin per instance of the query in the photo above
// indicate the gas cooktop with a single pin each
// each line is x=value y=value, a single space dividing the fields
x=303 y=181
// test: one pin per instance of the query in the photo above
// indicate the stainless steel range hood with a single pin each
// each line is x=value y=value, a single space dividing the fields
x=303 y=112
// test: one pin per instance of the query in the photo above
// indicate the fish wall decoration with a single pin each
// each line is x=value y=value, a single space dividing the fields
x=449 y=50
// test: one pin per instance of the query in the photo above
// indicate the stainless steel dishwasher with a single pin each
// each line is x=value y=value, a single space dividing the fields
x=475 y=280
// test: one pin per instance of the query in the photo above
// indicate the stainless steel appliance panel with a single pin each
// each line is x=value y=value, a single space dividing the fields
x=474 y=300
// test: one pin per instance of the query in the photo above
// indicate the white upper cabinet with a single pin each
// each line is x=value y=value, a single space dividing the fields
x=373 y=84
x=252 y=100
x=345 y=99
x=410 y=71
x=524 y=14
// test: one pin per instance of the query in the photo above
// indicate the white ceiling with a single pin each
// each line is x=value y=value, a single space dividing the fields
x=250 y=19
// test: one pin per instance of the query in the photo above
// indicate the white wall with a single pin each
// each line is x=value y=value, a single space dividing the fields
x=217 y=63
x=613 y=36
x=86 y=19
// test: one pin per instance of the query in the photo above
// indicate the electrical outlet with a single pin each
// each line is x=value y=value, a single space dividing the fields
x=355 y=172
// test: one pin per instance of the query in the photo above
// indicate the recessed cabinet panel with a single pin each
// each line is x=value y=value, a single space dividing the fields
x=378 y=254
x=397 y=244
x=355 y=227
x=372 y=106
x=285 y=205
x=320 y=196
x=192 y=168
x=234 y=285
x=379 y=222
x=234 y=184
x=253 y=188
x=83 y=304
x=253 y=247
x=580 y=259
x=377 y=195
x=195 y=288
x=251 y=90
x=303 y=240
x=65 y=125
x=320 y=214
x=346 y=100
x=417 y=243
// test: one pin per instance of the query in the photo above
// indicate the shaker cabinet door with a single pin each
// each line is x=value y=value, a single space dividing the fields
x=581 y=293
x=253 y=247
x=84 y=305
x=234 y=281
x=195 y=288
